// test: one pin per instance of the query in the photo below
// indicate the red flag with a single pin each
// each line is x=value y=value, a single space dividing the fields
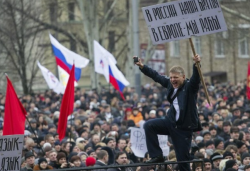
x=67 y=104
x=248 y=81
x=14 y=117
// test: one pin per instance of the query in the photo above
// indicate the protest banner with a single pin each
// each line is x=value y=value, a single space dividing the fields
x=11 y=147
x=181 y=19
x=138 y=142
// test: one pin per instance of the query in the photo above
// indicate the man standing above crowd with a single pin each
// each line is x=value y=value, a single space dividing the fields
x=182 y=117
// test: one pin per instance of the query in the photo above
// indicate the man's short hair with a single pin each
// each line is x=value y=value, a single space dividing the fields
x=101 y=154
x=234 y=129
x=119 y=154
x=46 y=138
x=121 y=139
x=177 y=69
x=52 y=151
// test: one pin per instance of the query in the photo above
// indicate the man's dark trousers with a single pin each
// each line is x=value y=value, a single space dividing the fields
x=181 y=139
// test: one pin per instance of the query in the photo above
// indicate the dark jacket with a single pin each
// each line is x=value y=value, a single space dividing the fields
x=187 y=98
x=99 y=164
x=121 y=169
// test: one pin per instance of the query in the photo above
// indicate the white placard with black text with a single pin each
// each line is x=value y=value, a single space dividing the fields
x=138 y=142
x=11 y=147
x=182 y=19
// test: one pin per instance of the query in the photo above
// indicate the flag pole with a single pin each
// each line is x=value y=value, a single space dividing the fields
x=199 y=71
x=71 y=123
x=34 y=133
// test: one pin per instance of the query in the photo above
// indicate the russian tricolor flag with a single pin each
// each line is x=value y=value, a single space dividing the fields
x=65 y=59
x=105 y=64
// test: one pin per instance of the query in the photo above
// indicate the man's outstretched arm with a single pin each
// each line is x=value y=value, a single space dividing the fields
x=152 y=73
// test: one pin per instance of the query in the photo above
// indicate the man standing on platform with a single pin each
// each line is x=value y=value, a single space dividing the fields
x=182 y=117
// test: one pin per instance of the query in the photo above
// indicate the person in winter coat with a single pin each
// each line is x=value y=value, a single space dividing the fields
x=245 y=160
x=103 y=159
x=42 y=165
x=121 y=159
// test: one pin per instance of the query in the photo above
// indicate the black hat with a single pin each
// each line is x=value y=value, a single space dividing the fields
x=227 y=153
x=217 y=142
x=230 y=164
x=29 y=154
x=201 y=144
x=106 y=140
x=90 y=151
x=239 y=144
x=244 y=155
x=42 y=160
x=204 y=124
x=234 y=109
x=247 y=110
x=205 y=160
x=215 y=156
x=208 y=143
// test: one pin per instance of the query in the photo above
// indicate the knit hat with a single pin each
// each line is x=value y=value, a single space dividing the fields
x=75 y=158
x=227 y=153
x=239 y=144
x=106 y=140
x=215 y=156
x=199 y=138
x=205 y=133
x=217 y=142
x=28 y=154
x=60 y=155
x=90 y=161
x=42 y=160
x=201 y=144
x=208 y=143
x=230 y=164
x=57 y=143
x=244 y=155
x=205 y=160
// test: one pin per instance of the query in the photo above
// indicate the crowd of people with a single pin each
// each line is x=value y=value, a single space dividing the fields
x=98 y=131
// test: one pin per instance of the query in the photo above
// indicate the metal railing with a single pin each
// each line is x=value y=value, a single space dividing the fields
x=130 y=165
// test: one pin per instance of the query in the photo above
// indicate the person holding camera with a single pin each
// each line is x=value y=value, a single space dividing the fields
x=62 y=161
x=182 y=117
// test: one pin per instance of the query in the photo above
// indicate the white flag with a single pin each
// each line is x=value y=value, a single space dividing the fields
x=102 y=58
x=51 y=80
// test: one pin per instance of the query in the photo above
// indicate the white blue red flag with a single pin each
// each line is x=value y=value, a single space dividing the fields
x=105 y=64
x=65 y=59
